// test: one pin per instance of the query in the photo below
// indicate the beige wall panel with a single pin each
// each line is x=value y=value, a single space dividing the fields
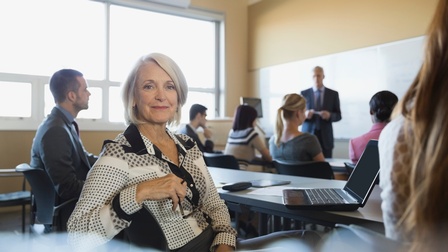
x=283 y=31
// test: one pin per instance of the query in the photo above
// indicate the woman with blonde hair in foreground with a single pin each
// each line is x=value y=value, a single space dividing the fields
x=150 y=171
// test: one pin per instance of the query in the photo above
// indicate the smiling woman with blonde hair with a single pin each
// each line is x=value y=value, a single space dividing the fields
x=145 y=172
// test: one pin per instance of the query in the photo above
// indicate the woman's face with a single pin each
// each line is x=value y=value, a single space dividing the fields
x=156 y=95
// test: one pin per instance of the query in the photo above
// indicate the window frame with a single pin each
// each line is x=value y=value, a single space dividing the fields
x=103 y=124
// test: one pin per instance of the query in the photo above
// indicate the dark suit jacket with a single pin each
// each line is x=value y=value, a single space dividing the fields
x=331 y=104
x=187 y=130
x=58 y=150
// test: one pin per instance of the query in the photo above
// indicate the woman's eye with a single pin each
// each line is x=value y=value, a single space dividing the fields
x=147 y=86
x=171 y=87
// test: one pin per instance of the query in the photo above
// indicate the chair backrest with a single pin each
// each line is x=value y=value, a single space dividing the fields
x=305 y=169
x=349 y=167
x=43 y=192
x=221 y=161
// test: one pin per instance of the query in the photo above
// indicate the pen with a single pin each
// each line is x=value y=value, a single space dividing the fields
x=181 y=208
x=180 y=204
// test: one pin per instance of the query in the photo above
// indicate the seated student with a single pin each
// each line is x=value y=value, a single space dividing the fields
x=243 y=140
x=288 y=143
x=414 y=154
x=198 y=115
x=57 y=147
x=381 y=106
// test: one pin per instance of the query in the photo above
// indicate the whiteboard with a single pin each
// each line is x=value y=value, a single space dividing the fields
x=357 y=75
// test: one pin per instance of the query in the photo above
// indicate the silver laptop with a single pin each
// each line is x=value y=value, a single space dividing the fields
x=354 y=194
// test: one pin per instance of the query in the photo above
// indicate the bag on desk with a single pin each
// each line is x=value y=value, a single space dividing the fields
x=356 y=238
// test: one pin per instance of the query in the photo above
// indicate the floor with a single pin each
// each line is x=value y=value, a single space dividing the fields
x=11 y=222
x=12 y=238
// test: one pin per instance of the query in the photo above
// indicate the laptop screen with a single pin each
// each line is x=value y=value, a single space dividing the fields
x=366 y=170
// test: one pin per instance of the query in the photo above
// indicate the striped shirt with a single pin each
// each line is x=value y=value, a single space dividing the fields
x=243 y=143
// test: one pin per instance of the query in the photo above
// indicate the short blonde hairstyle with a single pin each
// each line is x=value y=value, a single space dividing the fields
x=128 y=89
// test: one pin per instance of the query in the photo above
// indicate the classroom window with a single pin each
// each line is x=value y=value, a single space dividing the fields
x=116 y=109
x=206 y=99
x=189 y=42
x=38 y=39
x=16 y=102
x=103 y=40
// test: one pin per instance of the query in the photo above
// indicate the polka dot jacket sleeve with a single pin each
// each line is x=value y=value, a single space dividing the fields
x=94 y=222
x=219 y=214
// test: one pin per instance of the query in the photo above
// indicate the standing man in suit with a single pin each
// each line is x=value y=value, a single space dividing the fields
x=57 y=147
x=323 y=109
x=198 y=118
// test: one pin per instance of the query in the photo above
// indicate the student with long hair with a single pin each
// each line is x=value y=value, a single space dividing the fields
x=414 y=153
x=243 y=139
x=288 y=143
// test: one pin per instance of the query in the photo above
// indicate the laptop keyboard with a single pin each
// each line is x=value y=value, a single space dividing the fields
x=323 y=196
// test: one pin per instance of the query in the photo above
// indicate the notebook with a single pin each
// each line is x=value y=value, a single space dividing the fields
x=354 y=194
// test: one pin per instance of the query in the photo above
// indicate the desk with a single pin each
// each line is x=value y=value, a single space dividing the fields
x=338 y=166
x=370 y=216
x=338 y=163
x=10 y=173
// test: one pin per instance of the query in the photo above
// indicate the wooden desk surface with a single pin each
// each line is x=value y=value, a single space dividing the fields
x=369 y=216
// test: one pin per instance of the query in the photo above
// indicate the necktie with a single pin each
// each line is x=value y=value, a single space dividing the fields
x=76 y=127
x=318 y=107
x=317 y=99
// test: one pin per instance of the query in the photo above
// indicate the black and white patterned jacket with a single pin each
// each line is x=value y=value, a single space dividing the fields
x=107 y=201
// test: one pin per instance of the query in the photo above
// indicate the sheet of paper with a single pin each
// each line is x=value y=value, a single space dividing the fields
x=337 y=164
x=271 y=190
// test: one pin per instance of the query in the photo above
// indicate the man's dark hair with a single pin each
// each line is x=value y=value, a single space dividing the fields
x=195 y=109
x=62 y=82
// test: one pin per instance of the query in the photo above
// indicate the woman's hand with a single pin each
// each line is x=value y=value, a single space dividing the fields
x=224 y=248
x=167 y=187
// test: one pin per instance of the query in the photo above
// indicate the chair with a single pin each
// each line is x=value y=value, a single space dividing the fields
x=17 y=198
x=221 y=161
x=349 y=167
x=305 y=169
x=45 y=208
x=144 y=225
x=229 y=162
